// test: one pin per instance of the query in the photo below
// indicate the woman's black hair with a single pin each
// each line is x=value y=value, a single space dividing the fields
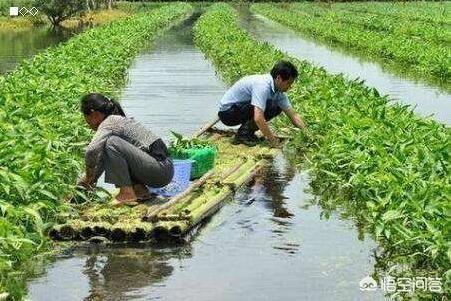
x=285 y=69
x=98 y=102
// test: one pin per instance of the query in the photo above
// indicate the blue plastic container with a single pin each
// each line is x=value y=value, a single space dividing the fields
x=180 y=181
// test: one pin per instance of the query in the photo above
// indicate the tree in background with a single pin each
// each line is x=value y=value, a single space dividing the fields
x=96 y=4
x=59 y=10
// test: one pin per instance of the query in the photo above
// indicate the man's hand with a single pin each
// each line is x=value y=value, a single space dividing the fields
x=275 y=142
x=260 y=121
x=296 y=120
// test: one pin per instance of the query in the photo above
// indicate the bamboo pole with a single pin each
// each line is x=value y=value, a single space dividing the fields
x=173 y=217
x=135 y=232
x=201 y=213
x=244 y=168
x=139 y=234
x=101 y=229
x=151 y=214
x=179 y=206
x=168 y=230
x=121 y=231
x=160 y=232
x=246 y=178
x=87 y=232
x=67 y=232
x=186 y=205
x=118 y=234
x=199 y=183
x=230 y=171
x=54 y=234
x=187 y=208
x=206 y=127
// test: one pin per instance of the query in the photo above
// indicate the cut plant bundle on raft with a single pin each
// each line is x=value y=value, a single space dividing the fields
x=380 y=162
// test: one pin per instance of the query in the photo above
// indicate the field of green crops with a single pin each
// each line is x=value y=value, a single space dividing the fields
x=42 y=133
x=417 y=39
x=434 y=12
x=382 y=164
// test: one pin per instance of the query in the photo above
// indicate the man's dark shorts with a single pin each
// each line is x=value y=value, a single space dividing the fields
x=241 y=112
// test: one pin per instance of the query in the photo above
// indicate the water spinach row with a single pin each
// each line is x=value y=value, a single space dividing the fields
x=433 y=12
x=397 y=26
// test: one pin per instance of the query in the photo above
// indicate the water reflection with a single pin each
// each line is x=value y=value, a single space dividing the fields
x=275 y=182
x=119 y=273
x=17 y=45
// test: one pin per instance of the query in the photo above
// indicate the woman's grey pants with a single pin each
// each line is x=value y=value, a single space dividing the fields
x=126 y=165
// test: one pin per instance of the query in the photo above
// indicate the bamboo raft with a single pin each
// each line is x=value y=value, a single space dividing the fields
x=160 y=218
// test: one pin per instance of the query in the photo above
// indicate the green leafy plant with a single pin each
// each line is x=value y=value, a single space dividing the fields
x=181 y=143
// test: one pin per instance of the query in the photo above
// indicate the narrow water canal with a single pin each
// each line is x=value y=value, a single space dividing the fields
x=172 y=86
x=264 y=244
x=426 y=99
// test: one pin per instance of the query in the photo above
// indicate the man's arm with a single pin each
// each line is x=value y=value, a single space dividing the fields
x=295 y=118
x=259 y=118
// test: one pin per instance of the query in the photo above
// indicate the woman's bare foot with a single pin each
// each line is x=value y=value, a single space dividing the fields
x=126 y=195
x=141 y=192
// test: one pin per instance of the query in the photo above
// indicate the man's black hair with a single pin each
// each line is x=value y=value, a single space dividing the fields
x=285 y=69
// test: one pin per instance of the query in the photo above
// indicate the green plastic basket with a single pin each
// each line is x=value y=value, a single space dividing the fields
x=204 y=159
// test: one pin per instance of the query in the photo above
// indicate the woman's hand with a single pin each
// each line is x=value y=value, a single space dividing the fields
x=85 y=183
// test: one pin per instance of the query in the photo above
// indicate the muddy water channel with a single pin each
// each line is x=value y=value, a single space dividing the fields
x=17 y=45
x=267 y=243
x=426 y=99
